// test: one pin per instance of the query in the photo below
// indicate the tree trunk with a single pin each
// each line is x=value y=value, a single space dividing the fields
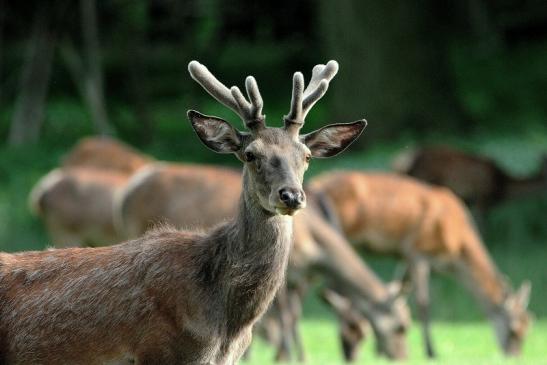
x=2 y=12
x=29 y=108
x=92 y=87
x=394 y=67
x=138 y=72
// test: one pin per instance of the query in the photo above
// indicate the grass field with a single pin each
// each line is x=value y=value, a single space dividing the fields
x=456 y=343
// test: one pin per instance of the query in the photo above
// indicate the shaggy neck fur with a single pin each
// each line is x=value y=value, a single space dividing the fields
x=247 y=260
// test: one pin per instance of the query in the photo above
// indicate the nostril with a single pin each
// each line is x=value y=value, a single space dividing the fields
x=285 y=195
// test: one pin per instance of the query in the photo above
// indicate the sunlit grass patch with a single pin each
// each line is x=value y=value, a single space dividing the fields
x=456 y=343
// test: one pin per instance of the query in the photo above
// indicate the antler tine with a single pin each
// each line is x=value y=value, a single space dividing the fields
x=303 y=99
x=254 y=96
x=319 y=83
x=210 y=83
x=249 y=112
x=297 y=96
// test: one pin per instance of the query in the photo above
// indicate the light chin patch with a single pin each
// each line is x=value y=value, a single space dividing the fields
x=286 y=211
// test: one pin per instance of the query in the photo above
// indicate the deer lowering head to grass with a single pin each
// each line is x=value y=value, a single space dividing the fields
x=175 y=296
x=430 y=228
x=353 y=327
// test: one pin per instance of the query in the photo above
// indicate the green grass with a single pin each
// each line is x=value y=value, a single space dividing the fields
x=456 y=343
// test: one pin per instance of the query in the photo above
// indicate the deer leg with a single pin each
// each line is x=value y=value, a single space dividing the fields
x=283 y=353
x=296 y=310
x=420 y=271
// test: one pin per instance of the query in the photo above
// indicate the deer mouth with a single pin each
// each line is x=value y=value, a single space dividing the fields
x=286 y=210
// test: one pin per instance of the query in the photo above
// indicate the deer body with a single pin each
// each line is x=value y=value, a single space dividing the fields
x=430 y=228
x=188 y=196
x=189 y=297
x=75 y=201
x=478 y=180
x=133 y=299
x=105 y=153
x=76 y=205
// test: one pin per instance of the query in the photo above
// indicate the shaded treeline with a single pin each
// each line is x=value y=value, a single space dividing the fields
x=413 y=68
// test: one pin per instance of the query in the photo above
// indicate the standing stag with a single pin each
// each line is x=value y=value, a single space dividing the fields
x=179 y=190
x=478 y=180
x=430 y=228
x=176 y=296
x=172 y=193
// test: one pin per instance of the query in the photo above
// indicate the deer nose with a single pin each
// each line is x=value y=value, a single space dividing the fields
x=291 y=197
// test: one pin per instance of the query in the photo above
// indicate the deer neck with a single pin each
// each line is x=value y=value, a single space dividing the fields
x=478 y=272
x=249 y=264
x=259 y=233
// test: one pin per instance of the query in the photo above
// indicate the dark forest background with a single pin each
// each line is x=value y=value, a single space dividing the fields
x=415 y=69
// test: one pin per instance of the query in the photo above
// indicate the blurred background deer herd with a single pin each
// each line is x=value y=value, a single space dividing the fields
x=95 y=148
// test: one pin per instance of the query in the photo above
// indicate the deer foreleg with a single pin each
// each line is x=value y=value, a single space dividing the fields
x=420 y=275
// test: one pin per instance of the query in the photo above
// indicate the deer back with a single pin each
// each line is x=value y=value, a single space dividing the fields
x=105 y=153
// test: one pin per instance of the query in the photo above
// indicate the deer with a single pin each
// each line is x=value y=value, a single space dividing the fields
x=75 y=200
x=353 y=327
x=75 y=205
x=183 y=195
x=170 y=193
x=478 y=180
x=105 y=153
x=175 y=296
x=430 y=228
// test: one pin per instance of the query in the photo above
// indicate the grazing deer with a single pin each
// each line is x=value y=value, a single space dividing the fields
x=170 y=193
x=177 y=296
x=106 y=154
x=76 y=205
x=187 y=196
x=428 y=227
x=75 y=201
x=353 y=326
x=478 y=180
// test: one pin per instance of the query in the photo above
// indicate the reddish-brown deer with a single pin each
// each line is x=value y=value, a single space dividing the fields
x=177 y=296
x=106 y=154
x=75 y=201
x=478 y=180
x=429 y=227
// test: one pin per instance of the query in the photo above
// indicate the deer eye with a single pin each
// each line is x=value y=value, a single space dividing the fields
x=249 y=157
x=308 y=158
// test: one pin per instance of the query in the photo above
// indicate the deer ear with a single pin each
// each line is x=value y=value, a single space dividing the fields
x=333 y=139
x=215 y=133
x=397 y=289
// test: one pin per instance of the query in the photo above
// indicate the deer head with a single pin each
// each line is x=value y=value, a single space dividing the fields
x=353 y=326
x=511 y=320
x=391 y=320
x=275 y=159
